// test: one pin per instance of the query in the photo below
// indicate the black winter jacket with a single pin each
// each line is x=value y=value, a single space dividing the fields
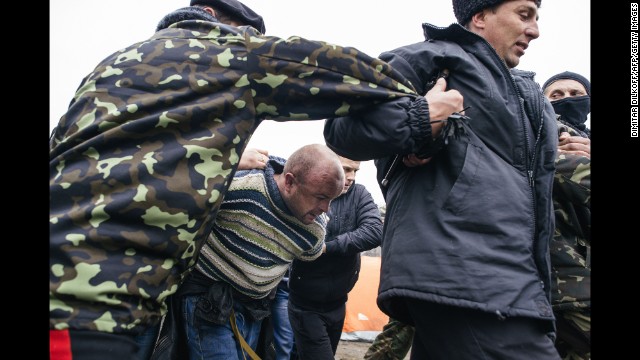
x=354 y=226
x=472 y=227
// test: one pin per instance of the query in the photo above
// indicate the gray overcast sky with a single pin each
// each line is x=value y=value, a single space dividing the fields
x=83 y=32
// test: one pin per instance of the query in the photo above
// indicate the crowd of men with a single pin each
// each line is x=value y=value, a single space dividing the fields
x=486 y=180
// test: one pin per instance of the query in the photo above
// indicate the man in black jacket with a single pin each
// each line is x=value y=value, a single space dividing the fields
x=318 y=289
x=465 y=250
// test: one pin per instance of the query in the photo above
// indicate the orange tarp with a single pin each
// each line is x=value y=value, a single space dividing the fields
x=363 y=315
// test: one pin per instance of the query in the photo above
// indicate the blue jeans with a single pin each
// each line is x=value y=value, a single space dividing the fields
x=282 y=333
x=208 y=340
x=146 y=341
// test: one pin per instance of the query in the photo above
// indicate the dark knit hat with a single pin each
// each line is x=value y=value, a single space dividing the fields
x=235 y=9
x=465 y=9
x=568 y=75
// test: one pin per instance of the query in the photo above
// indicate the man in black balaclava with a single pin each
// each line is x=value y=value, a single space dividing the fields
x=570 y=248
x=570 y=95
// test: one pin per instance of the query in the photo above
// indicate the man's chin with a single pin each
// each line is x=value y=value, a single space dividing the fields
x=512 y=61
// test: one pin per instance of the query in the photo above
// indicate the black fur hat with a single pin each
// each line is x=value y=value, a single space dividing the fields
x=465 y=9
x=237 y=10
x=568 y=75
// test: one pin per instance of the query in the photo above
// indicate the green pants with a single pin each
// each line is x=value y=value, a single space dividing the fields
x=393 y=343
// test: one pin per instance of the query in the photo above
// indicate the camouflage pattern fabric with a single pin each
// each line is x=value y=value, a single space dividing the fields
x=574 y=334
x=393 y=343
x=142 y=159
x=571 y=253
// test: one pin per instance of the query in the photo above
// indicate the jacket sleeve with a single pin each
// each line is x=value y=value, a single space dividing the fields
x=572 y=185
x=573 y=174
x=399 y=127
x=368 y=232
x=307 y=80
x=572 y=189
x=573 y=178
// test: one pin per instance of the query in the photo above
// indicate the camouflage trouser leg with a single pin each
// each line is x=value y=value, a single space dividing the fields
x=393 y=343
x=574 y=334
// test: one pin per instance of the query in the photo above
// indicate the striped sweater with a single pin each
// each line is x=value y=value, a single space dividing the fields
x=255 y=237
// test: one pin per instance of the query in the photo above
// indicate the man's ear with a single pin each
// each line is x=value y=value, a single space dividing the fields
x=210 y=10
x=478 y=20
x=289 y=180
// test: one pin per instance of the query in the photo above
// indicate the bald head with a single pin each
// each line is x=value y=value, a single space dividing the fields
x=311 y=178
x=314 y=161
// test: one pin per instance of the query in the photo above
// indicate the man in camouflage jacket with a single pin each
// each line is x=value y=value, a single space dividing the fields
x=571 y=252
x=142 y=159
x=570 y=249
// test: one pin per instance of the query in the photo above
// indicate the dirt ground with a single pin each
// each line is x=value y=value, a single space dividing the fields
x=354 y=350
x=351 y=350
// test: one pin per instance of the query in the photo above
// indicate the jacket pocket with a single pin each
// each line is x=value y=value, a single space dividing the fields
x=456 y=200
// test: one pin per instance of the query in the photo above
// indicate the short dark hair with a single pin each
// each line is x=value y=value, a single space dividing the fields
x=233 y=10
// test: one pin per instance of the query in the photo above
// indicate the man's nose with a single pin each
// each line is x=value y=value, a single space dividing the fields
x=532 y=30
x=324 y=205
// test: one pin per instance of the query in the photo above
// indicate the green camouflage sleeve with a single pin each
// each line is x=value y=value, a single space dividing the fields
x=316 y=79
x=573 y=174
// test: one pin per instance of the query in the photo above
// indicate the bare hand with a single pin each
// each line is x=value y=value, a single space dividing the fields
x=442 y=103
x=253 y=159
x=576 y=145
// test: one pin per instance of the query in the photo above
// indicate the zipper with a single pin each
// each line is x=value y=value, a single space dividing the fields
x=528 y=159
x=505 y=72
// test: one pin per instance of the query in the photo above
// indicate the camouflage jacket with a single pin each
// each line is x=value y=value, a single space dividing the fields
x=141 y=161
x=571 y=245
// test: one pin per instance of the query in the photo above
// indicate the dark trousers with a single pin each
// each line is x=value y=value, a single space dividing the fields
x=574 y=334
x=316 y=333
x=90 y=345
x=453 y=333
